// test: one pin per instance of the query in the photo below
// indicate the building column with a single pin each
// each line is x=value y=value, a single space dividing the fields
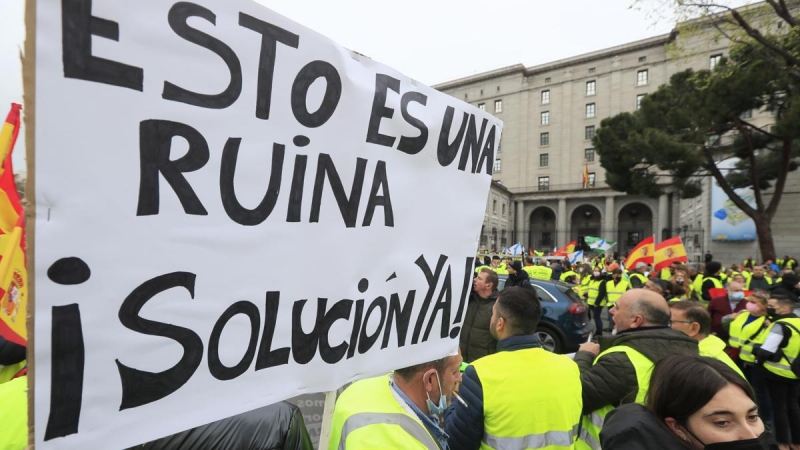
x=662 y=216
x=609 y=220
x=561 y=223
x=520 y=223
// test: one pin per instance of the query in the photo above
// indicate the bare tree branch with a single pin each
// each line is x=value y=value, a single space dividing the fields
x=711 y=166
x=782 y=10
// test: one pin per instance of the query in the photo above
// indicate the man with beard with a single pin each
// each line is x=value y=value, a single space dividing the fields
x=475 y=340
x=522 y=396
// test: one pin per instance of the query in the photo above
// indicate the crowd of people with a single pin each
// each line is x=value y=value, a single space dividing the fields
x=687 y=358
x=692 y=357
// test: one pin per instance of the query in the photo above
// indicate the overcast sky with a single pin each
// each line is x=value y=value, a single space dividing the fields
x=428 y=40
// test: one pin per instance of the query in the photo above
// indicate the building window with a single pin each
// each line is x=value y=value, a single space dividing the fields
x=498 y=106
x=547 y=80
x=546 y=97
x=592 y=69
x=545 y=118
x=591 y=87
x=746 y=114
x=641 y=77
x=639 y=100
x=503 y=208
x=503 y=238
x=642 y=58
x=544 y=139
x=466 y=96
x=590 y=110
x=544 y=159
x=494 y=206
x=544 y=183
x=547 y=239
x=634 y=237
x=589 y=134
x=713 y=60
x=588 y=155
x=496 y=166
x=482 y=106
x=592 y=177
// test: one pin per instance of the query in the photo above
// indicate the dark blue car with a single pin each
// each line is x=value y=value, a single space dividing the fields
x=565 y=320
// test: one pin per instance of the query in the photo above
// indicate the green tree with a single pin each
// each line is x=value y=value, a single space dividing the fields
x=685 y=128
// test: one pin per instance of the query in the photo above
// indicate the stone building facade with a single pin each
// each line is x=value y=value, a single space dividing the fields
x=550 y=114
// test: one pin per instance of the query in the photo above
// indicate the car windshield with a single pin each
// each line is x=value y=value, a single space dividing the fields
x=567 y=291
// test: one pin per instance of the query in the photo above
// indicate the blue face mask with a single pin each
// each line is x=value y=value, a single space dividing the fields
x=437 y=409
x=737 y=296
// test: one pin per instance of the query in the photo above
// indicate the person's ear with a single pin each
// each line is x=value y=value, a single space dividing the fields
x=676 y=428
x=427 y=379
x=694 y=327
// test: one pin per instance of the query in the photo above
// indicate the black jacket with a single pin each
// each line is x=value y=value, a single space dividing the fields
x=10 y=353
x=274 y=427
x=612 y=381
x=476 y=341
x=519 y=279
x=463 y=425
x=634 y=427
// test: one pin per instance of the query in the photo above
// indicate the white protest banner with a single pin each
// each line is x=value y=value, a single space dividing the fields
x=231 y=210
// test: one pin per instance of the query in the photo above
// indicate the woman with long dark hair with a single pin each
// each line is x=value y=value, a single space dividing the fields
x=693 y=403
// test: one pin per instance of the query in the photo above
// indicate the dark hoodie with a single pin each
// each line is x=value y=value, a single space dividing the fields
x=519 y=279
x=612 y=381
x=634 y=427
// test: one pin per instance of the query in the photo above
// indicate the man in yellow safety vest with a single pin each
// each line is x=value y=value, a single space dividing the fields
x=522 y=396
x=694 y=321
x=396 y=410
x=621 y=373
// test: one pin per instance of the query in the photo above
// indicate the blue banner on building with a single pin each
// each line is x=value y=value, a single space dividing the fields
x=728 y=222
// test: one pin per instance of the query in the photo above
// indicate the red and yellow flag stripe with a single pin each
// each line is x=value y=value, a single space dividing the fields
x=13 y=274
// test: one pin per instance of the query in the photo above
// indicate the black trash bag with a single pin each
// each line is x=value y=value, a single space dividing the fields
x=274 y=427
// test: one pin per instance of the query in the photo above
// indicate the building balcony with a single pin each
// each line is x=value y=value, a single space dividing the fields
x=562 y=187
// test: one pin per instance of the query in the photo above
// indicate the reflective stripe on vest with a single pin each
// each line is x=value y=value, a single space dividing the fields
x=783 y=367
x=408 y=425
x=589 y=436
x=745 y=336
x=554 y=438
x=370 y=414
x=516 y=416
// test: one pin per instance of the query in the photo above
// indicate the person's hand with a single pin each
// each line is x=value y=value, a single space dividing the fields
x=735 y=315
x=590 y=347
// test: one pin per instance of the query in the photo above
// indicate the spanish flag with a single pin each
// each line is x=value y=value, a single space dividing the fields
x=643 y=252
x=566 y=250
x=585 y=175
x=13 y=275
x=668 y=252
